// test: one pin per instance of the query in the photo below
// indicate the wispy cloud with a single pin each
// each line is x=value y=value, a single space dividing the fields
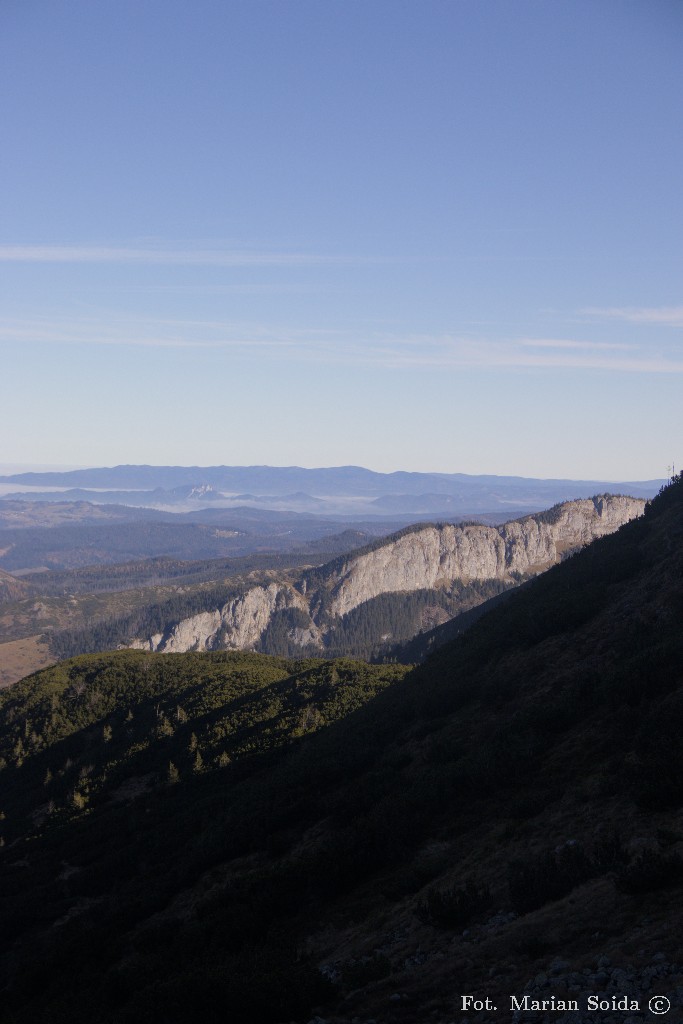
x=570 y=343
x=167 y=333
x=174 y=257
x=172 y=333
x=664 y=316
x=370 y=348
x=243 y=288
x=524 y=353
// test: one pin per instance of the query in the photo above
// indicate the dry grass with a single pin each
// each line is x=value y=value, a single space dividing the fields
x=20 y=658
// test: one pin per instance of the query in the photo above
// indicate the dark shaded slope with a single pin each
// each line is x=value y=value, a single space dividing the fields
x=532 y=766
x=421 y=645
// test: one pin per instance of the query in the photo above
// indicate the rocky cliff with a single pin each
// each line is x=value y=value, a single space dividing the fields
x=238 y=625
x=432 y=556
x=420 y=558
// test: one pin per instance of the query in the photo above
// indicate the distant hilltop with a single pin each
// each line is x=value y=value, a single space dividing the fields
x=341 y=490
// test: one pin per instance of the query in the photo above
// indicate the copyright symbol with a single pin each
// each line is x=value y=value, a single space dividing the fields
x=659 y=1004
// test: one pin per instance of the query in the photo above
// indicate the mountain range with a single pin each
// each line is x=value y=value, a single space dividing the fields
x=344 y=490
x=226 y=836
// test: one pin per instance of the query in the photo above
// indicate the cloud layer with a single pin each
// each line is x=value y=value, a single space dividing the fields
x=371 y=348
x=665 y=316
x=177 y=257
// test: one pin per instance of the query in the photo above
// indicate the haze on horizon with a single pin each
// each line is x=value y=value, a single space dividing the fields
x=399 y=235
x=17 y=468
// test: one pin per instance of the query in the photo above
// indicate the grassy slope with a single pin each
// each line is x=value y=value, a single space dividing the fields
x=19 y=658
x=556 y=718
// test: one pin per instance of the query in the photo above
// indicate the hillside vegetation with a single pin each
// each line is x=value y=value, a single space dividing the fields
x=237 y=838
x=60 y=613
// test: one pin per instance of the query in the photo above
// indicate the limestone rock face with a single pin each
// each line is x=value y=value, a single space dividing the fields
x=238 y=625
x=424 y=558
x=435 y=555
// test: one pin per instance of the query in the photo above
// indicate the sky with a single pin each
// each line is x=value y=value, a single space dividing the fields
x=435 y=235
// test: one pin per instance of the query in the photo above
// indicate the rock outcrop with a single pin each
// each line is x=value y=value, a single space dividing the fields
x=238 y=625
x=420 y=558
x=431 y=556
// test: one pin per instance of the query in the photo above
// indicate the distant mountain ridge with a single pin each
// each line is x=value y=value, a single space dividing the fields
x=401 y=492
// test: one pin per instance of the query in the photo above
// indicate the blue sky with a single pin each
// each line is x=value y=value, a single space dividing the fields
x=420 y=235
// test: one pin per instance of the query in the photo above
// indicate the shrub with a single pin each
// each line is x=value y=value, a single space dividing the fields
x=453 y=908
x=548 y=876
x=652 y=870
x=358 y=973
